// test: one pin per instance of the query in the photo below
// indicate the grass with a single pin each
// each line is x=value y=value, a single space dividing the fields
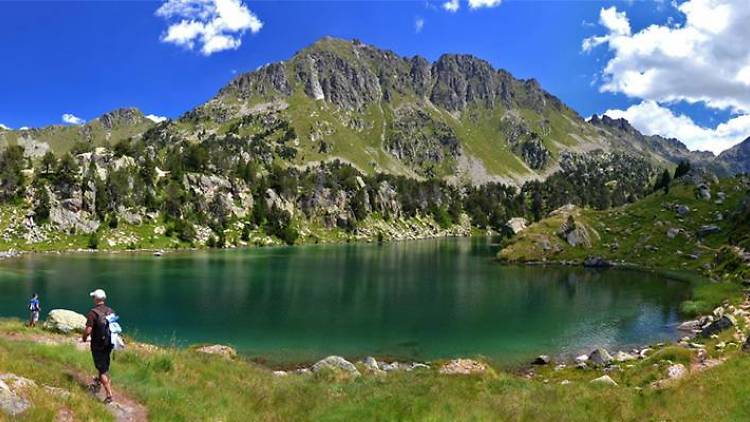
x=180 y=384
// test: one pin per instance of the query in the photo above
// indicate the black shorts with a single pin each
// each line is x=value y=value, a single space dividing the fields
x=102 y=359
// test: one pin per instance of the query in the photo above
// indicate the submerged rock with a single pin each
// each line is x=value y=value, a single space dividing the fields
x=336 y=363
x=65 y=321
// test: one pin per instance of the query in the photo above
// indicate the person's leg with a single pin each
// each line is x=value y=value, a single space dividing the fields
x=106 y=383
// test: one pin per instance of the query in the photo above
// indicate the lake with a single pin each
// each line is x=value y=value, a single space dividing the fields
x=416 y=300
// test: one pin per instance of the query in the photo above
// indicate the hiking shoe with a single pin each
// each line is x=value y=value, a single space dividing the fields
x=108 y=400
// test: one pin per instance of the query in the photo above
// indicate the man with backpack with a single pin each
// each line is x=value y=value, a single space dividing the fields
x=34 y=309
x=97 y=326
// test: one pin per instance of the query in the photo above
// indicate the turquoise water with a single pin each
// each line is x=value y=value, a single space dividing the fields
x=410 y=300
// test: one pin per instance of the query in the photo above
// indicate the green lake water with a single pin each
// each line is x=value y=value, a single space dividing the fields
x=416 y=300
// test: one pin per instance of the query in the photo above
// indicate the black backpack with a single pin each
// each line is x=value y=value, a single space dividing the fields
x=101 y=336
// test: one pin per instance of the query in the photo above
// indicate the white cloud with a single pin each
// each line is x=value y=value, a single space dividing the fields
x=210 y=25
x=652 y=119
x=418 y=25
x=452 y=5
x=476 y=4
x=23 y=128
x=702 y=60
x=156 y=119
x=72 y=119
x=3 y=127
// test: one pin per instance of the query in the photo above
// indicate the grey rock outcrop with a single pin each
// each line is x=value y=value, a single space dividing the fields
x=600 y=357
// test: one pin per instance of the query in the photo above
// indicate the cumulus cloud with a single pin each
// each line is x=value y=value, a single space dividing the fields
x=704 y=60
x=418 y=25
x=452 y=5
x=72 y=119
x=156 y=119
x=3 y=127
x=476 y=4
x=208 y=25
x=650 y=118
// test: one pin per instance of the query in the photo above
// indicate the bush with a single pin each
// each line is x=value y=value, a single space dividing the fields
x=93 y=241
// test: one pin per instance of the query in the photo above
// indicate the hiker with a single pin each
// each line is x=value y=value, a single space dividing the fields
x=97 y=326
x=34 y=308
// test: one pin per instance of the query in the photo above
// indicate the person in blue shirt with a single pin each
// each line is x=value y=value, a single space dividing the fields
x=34 y=309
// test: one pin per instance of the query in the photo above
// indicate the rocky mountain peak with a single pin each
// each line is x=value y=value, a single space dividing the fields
x=126 y=116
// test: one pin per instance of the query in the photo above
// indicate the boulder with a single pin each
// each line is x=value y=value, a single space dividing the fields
x=676 y=371
x=11 y=403
x=596 y=262
x=623 y=357
x=65 y=321
x=718 y=326
x=703 y=192
x=517 y=224
x=605 y=380
x=704 y=231
x=582 y=359
x=681 y=210
x=600 y=357
x=336 y=363
x=690 y=325
x=575 y=233
x=371 y=364
x=218 y=349
x=541 y=360
x=463 y=367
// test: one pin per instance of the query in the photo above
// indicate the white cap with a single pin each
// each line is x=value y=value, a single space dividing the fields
x=98 y=294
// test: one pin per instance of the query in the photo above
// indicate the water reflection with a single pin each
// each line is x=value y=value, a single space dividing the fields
x=416 y=300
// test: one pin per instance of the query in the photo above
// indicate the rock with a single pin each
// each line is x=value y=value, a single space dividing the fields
x=336 y=363
x=582 y=359
x=676 y=371
x=65 y=321
x=703 y=192
x=218 y=349
x=672 y=232
x=60 y=393
x=605 y=380
x=11 y=403
x=600 y=357
x=689 y=325
x=15 y=383
x=517 y=224
x=576 y=234
x=280 y=373
x=463 y=367
x=718 y=326
x=416 y=366
x=596 y=262
x=541 y=360
x=371 y=364
x=704 y=231
x=681 y=210
x=623 y=357
x=564 y=382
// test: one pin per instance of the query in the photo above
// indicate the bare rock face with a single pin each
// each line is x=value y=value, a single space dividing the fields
x=121 y=116
x=517 y=224
x=573 y=233
x=11 y=403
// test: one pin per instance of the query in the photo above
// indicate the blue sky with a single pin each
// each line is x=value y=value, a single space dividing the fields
x=86 y=58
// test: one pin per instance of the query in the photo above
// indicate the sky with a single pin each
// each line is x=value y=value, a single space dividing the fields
x=675 y=68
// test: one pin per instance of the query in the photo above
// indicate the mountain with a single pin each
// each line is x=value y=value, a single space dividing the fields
x=457 y=118
x=737 y=159
x=110 y=127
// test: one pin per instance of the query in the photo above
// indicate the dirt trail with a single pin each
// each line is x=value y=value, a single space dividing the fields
x=124 y=408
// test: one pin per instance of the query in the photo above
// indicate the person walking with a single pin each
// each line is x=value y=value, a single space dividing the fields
x=35 y=308
x=97 y=327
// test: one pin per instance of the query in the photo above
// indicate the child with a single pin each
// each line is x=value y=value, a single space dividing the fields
x=34 y=309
